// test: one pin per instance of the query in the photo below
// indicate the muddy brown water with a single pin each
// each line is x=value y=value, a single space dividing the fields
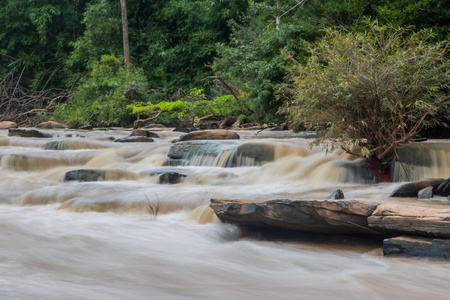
x=103 y=240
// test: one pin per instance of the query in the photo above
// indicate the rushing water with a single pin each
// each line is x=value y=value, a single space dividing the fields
x=129 y=237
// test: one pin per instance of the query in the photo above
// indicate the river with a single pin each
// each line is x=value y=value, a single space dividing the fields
x=129 y=237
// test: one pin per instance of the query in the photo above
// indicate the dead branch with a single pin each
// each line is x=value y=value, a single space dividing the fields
x=158 y=113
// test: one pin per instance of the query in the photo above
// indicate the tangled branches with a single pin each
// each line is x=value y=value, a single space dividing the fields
x=21 y=104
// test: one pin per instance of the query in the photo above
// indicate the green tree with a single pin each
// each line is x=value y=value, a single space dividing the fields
x=103 y=95
x=378 y=88
x=102 y=35
x=252 y=59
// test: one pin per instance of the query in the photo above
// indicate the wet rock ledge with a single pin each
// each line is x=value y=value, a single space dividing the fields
x=347 y=217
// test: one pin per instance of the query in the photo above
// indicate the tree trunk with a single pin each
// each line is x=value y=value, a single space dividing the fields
x=126 y=45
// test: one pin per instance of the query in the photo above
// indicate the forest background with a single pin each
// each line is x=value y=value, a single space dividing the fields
x=191 y=61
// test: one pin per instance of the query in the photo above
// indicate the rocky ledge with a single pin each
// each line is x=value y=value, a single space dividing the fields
x=346 y=217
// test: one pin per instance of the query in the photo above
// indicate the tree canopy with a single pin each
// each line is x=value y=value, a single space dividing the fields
x=49 y=49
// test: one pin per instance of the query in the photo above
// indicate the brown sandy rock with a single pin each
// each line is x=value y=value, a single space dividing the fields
x=8 y=124
x=217 y=134
x=51 y=125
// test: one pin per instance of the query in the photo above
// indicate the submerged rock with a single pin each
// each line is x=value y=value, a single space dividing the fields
x=411 y=189
x=337 y=194
x=29 y=133
x=409 y=246
x=171 y=178
x=99 y=175
x=168 y=175
x=217 y=134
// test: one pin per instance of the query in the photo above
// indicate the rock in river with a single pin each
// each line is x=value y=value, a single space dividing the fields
x=316 y=216
x=412 y=246
x=411 y=189
x=28 y=133
x=217 y=134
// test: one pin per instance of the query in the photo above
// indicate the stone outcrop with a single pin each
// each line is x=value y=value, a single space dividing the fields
x=218 y=134
x=336 y=216
x=411 y=220
x=412 y=246
x=316 y=216
x=8 y=124
x=411 y=189
x=51 y=125
x=29 y=133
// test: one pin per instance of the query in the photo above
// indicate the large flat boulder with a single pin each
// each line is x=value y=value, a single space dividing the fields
x=217 y=134
x=411 y=220
x=336 y=216
x=316 y=216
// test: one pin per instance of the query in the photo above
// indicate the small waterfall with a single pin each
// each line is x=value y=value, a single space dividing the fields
x=230 y=153
x=70 y=145
x=421 y=161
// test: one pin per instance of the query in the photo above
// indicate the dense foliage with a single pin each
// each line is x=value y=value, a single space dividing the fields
x=103 y=94
x=52 y=51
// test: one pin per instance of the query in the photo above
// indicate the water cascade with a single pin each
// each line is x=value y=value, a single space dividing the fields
x=84 y=217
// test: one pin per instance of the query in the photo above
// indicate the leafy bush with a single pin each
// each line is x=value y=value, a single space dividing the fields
x=103 y=95
x=378 y=88
x=189 y=109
